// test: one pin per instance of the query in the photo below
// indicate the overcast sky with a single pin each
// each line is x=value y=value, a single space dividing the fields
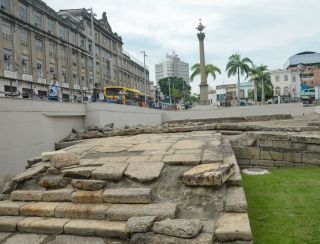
x=266 y=31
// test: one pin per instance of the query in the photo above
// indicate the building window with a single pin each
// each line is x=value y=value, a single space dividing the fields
x=278 y=91
x=75 y=79
x=63 y=77
x=37 y=20
x=285 y=77
x=73 y=38
x=90 y=46
x=96 y=36
x=63 y=53
x=277 y=78
x=23 y=11
x=25 y=64
x=39 y=43
x=83 y=62
x=294 y=79
x=6 y=30
x=50 y=26
x=52 y=71
x=7 y=60
x=39 y=69
x=62 y=33
x=74 y=57
x=286 y=91
x=24 y=37
x=82 y=43
x=5 y=5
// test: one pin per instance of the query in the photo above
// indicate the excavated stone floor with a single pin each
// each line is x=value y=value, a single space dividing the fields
x=146 y=188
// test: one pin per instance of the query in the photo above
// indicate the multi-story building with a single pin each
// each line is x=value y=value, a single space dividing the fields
x=212 y=96
x=172 y=66
x=38 y=43
x=226 y=95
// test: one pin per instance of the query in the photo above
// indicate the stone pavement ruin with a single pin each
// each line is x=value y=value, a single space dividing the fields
x=146 y=188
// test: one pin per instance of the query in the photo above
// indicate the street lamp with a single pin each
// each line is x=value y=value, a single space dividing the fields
x=93 y=46
x=145 y=78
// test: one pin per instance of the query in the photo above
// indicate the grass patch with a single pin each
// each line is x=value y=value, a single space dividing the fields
x=284 y=207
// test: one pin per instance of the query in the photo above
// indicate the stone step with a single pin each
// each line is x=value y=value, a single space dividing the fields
x=119 y=195
x=57 y=226
x=236 y=200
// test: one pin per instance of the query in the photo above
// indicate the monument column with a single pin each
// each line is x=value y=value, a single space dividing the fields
x=203 y=85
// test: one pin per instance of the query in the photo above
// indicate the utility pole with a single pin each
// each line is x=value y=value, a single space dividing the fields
x=145 y=78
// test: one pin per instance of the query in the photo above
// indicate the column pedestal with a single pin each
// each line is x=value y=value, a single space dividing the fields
x=204 y=94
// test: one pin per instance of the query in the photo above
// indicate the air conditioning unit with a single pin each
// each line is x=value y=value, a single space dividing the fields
x=23 y=62
x=6 y=57
x=39 y=66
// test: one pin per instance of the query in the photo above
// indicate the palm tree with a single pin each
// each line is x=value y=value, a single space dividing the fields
x=237 y=66
x=263 y=76
x=254 y=72
x=210 y=70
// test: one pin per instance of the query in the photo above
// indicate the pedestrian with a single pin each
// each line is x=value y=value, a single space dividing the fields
x=95 y=93
x=78 y=97
x=54 y=90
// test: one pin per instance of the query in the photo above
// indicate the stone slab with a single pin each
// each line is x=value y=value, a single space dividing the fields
x=311 y=158
x=101 y=228
x=208 y=174
x=79 y=172
x=144 y=171
x=150 y=147
x=46 y=155
x=151 y=238
x=4 y=235
x=87 y=196
x=233 y=227
x=184 y=228
x=66 y=159
x=42 y=225
x=26 y=195
x=236 y=200
x=188 y=144
x=54 y=182
x=246 y=152
x=127 y=195
x=212 y=156
x=9 y=223
x=81 y=211
x=29 y=173
x=11 y=208
x=25 y=239
x=89 y=185
x=110 y=171
x=72 y=239
x=183 y=159
x=60 y=195
x=39 y=209
x=140 y=224
x=124 y=212
x=268 y=154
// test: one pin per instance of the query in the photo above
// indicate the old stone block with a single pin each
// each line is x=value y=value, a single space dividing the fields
x=110 y=171
x=212 y=156
x=140 y=224
x=243 y=161
x=235 y=179
x=46 y=155
x=11 y=208
x=311 y=158
x=144 y=171
x=64 y=160
x=39 y=209
x=150 y=147
x=264 y=163
x=137 y=159
x=101 y=228
x=183 y=228
x=278 y=136
x=4 y=235
x=184 y=159
x=29 y=173
x=236 y=200
x=288 y=145
x=313 y=148
x=26 y=195
x=309 y=139
x=208 y=174
x=79 y=172
x=188 y=144
x=233 y=227
x=268 y=154
x=246 y=152
x=126 y=211
x=90 y=185
x=54 y=182
x=72 y=239
x=127 y=195
x=264 y=143
x=292 y=156
x=60 y=195
x=151 y=238
x=26 y=239
x=87 y=196
x=81 y=211
x=9 y=223
x=42 y=225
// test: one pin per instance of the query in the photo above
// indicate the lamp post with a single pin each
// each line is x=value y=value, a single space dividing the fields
x=93 y=46
x=145 y=78
x=203 y=85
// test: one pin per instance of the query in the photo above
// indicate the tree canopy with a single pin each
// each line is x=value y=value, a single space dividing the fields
x=178 y=88
x=211 y=70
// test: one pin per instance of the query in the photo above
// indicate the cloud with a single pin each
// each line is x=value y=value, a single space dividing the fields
x=267 y=31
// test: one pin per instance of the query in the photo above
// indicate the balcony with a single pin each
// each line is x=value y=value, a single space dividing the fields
x=42 y=81
x=76 y=87
x=10 y=74
x=65 y=85
x=27 y=77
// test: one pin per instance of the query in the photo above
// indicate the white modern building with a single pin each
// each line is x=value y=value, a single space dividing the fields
x=172 y=66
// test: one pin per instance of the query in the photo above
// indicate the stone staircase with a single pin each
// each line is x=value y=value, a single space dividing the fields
x=167 y=188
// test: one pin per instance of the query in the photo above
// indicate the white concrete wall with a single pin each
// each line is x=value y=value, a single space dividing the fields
x=317 y=109
x=105 y=113
x=295 y=109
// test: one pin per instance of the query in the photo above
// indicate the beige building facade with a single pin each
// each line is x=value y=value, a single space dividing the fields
x=38 y=44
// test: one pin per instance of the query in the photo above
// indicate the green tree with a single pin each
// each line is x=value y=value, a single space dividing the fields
x=253 y=73
x=211 y=70
x=264 y=84
x=178 y=88
x=238 y=66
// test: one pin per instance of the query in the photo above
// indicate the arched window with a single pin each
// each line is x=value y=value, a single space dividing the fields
x=286 y=91
x=241 y=93
x=277 y=91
